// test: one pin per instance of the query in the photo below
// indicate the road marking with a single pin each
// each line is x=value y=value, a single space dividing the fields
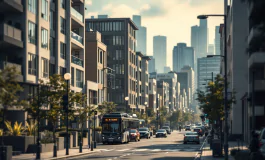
x=123 y=150
x=115 y=157
x=140 y=150
x=156 y=150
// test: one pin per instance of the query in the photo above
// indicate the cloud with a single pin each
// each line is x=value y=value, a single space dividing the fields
x=107 y=7
x=88 y=2
x=89 y=14
x=145 y=7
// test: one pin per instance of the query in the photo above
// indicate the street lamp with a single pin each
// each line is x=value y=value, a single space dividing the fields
x=126 y=99
x=67 y=77
x=145 y=103
x=225 y=75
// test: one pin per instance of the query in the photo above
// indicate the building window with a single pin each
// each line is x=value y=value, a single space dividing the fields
x=31 y=32
x=63 y=50
x=44 y=9
x=62 y=71
x=62 y=25
x=79 y=78
x=72 y=76
x=52 y=20
x=44 y=68
x=52 y=69
x=32 y=64
x=101 y=57
x=32 y=6
x=52 y=46
x=63 y=4
x=44 y=38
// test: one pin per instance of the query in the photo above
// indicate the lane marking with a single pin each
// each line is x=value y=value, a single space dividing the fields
x=155 y=150
x=123 y=150
x=115 y=158
x=140 y=150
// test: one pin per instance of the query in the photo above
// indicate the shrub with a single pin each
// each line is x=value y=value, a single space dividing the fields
x=15 y=130
x=47 y=137
x=31 y=127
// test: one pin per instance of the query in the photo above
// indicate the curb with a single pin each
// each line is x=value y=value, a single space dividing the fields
x=74 y=155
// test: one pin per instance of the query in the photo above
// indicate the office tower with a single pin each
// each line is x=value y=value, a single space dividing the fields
x=141 y=35
x=96 y=68
x=152 y=64
x=42 y=38
x=182 y=56
x=206 y=68
x=119 y=35
x=191 y=80
x=210 y=49
x=199 y=38
x=167 y=69
x=160 y=52
x=183 y=79
x=217 y=40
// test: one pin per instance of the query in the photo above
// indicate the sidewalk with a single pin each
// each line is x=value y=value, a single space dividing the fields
x=73 y=152
x=207 y=152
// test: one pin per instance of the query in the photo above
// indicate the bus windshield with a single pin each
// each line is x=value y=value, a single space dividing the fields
x=110 y=127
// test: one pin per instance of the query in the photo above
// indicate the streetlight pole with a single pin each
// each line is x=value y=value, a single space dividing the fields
x=67 y=77
x=126 y=104
x=157 y=110
x=38 y=156
x=225 y=76
x=146 y=116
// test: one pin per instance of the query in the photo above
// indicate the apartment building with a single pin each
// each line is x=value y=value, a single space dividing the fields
x=96 y=68
x=152 y=91
x=42 y=38
x=163 y=91
x=119 y=36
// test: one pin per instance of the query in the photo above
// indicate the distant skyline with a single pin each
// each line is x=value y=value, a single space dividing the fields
x=170 y=18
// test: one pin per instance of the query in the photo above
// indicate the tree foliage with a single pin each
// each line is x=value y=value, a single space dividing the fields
x=211 y=101
x=107 y=107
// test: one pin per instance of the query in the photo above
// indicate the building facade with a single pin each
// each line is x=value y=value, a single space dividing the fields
x=152 y=64
x=46 y=38
x=191 y=81
x=182 y=56
x=160 y=52
x=119 y=36
x=208 y=68
x=163 y=91
x=217 y=39
x=96 y=66
x=167 y=69
x=141 y=35
x=152 y=91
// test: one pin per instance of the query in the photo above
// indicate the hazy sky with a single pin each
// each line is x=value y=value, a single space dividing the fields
x=171 y=18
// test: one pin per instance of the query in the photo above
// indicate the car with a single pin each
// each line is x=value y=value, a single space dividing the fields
x=134 y=135
x=144 y=132
x=167 y=129
x=191 y=137
x=198 y=130
x=187 y=128
x=161 y=133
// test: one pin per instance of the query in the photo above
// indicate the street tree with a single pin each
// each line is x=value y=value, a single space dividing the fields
x=107 y=107
x=211 y=101
x=9 y=90
x=187 y=116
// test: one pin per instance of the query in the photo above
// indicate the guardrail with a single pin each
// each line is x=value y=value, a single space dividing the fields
x=199 y=154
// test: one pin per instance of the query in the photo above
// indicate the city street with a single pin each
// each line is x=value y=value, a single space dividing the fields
x=171 y=147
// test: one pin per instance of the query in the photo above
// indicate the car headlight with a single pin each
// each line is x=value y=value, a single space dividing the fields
x=119 y=137
x=103 y=137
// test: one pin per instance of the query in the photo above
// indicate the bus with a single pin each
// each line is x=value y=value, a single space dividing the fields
x=116 y=126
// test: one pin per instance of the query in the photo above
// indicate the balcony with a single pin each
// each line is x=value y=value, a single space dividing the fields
x=10 y=6
x=260 y=85
x=76 y=37
x=256 y=59
x=10 y=36
x=77 y=61
x=18 y=69
x=77 y=15
x=254 y=32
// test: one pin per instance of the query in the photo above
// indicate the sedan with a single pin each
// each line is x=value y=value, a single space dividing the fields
x=134 y=135
x=187 y=128
x=191 y=137
x=161 y=133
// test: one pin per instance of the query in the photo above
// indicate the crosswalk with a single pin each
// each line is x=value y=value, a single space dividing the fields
x=152 y=150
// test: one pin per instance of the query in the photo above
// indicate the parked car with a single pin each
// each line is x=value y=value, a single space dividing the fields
x=167 y=129
x=191 y=137
x=134 y=135
x=145 y=133
x=161 y=133
x=198 y=130
x=187 y=128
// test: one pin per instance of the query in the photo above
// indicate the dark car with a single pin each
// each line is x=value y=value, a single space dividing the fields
x=134 y=135
x=199 y=131
x=161 y=133
x=191 y=137
x=144 y=132
x=187 y=128
x=167 y=129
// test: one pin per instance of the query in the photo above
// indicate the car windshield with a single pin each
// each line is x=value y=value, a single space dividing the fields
x=196 y=129
x=161 y=130
x=187 y=126
x=165 y=127
x=143 y=129
x=191 y=133
x=132 y=131
x=110 y=127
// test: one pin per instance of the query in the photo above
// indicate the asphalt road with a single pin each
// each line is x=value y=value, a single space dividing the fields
x=168 y=148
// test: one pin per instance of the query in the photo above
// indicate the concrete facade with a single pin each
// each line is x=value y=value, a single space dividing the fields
x=141 y=35
x=160 y=52
x=152 y=91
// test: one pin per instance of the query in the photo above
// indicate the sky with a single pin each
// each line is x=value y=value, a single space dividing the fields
x=171 y=18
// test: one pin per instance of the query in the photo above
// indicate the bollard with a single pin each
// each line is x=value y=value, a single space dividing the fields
x=80 y=147
x=55 y=150
x=95 y=144
x=92 y=146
